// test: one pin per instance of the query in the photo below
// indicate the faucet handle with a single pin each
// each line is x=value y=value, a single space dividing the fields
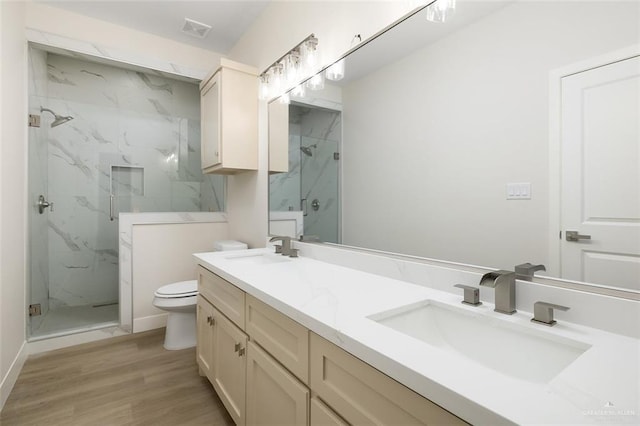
x=525 y=271
x=278 y=248
x=543 y=312
x=471 y=295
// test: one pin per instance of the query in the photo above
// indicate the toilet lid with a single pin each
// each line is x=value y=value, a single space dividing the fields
x=180 y=289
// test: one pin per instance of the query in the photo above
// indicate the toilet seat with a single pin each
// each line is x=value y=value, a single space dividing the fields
x=178 y=290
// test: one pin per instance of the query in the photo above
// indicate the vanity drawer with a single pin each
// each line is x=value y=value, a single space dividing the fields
x=363 y=395
x=286 y=340
x=226 y=297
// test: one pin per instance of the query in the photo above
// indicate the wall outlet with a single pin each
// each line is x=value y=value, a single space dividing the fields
x=519 y=191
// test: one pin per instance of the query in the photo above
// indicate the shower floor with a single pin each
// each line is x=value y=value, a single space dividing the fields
x=66 y=319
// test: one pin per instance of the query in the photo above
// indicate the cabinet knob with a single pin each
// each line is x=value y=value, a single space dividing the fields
x=241 y=351
x=237 y=347
x=210 y=320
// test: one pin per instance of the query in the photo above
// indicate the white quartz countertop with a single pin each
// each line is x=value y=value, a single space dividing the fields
x=600 y=387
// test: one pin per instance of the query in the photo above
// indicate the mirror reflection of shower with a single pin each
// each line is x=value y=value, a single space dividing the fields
x=307 y=149
x=58 y=119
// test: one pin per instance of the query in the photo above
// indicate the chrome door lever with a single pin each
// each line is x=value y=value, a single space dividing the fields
x=43 y=204
x=574 y=236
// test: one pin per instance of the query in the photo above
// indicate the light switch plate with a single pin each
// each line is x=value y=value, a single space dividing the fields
x=519 y=191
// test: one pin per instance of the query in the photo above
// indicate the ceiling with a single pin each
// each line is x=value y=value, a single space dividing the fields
x=229 y=19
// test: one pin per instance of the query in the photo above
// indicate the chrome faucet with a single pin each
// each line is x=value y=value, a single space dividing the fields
x=525 y=271
x=504 y=283
x=285 y=248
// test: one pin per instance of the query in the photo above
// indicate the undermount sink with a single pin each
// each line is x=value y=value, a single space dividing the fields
x=511 y=349
x=259 y=258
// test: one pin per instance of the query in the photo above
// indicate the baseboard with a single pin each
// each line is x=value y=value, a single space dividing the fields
x=65 y=341
x=9 y=380
x=149 y=323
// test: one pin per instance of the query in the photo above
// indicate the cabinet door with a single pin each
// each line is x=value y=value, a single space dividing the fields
x=286 y=340
x=274 y=396
x=226 y=297
x=230 y=366
x=204 y=349
x=363 y=395
x=278 y=137
x=210 y=123
x=322 y=415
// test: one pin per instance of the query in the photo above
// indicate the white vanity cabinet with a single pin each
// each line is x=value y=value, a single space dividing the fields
x=363 y=395
x=222 y=345
x=256 y=376
x=269 y=369
x=229 y=119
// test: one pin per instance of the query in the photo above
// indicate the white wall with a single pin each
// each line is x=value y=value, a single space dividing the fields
x=281 y=26
x=450 y=125
x=13 y=113
x=162 y=254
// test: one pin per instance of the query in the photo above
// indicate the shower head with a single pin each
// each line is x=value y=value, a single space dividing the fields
x=58 y=118
x=307 y=149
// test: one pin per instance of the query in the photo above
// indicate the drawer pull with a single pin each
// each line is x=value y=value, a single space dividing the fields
x=241 y=351
x=237 y=347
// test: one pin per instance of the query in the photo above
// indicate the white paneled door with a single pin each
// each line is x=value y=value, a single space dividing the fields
x=601 y=175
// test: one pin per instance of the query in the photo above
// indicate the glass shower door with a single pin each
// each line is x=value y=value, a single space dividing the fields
x=319 y=187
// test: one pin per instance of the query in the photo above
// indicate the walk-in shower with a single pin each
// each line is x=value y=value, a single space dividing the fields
x=312 y=183
x=130 y=143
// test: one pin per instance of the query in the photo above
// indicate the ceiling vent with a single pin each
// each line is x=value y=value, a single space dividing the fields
x=195 y=28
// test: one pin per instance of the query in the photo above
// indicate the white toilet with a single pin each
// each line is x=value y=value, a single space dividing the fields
x=180 y=299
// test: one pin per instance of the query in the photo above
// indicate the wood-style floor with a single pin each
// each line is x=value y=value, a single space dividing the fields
x=128 y=380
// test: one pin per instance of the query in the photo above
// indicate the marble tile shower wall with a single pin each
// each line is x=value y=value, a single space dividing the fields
x=135 y=137
x=284 y=188
x=312 y=176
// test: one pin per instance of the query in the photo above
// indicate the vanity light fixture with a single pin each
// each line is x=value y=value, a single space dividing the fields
x=440 y=10
x=299 y=91
x=336 y=71
x=316 y=82
x=297 y=64
x=285 y=98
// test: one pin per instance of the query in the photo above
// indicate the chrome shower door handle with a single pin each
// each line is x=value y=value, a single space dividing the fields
x=111 y=210
x=43 y=204
x=303 y=206
x=574 y=236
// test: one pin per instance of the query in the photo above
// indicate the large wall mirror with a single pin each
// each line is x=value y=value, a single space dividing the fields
x=482 y=140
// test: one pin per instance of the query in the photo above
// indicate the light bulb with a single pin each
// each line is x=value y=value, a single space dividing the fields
x=285 y=99
x=336 y=71
x=316 y=82
x=264 y=90
x=310 y=54
x=440 y=10
x=299 y=91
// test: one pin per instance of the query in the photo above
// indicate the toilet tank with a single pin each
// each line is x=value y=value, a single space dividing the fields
x=227 y=245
